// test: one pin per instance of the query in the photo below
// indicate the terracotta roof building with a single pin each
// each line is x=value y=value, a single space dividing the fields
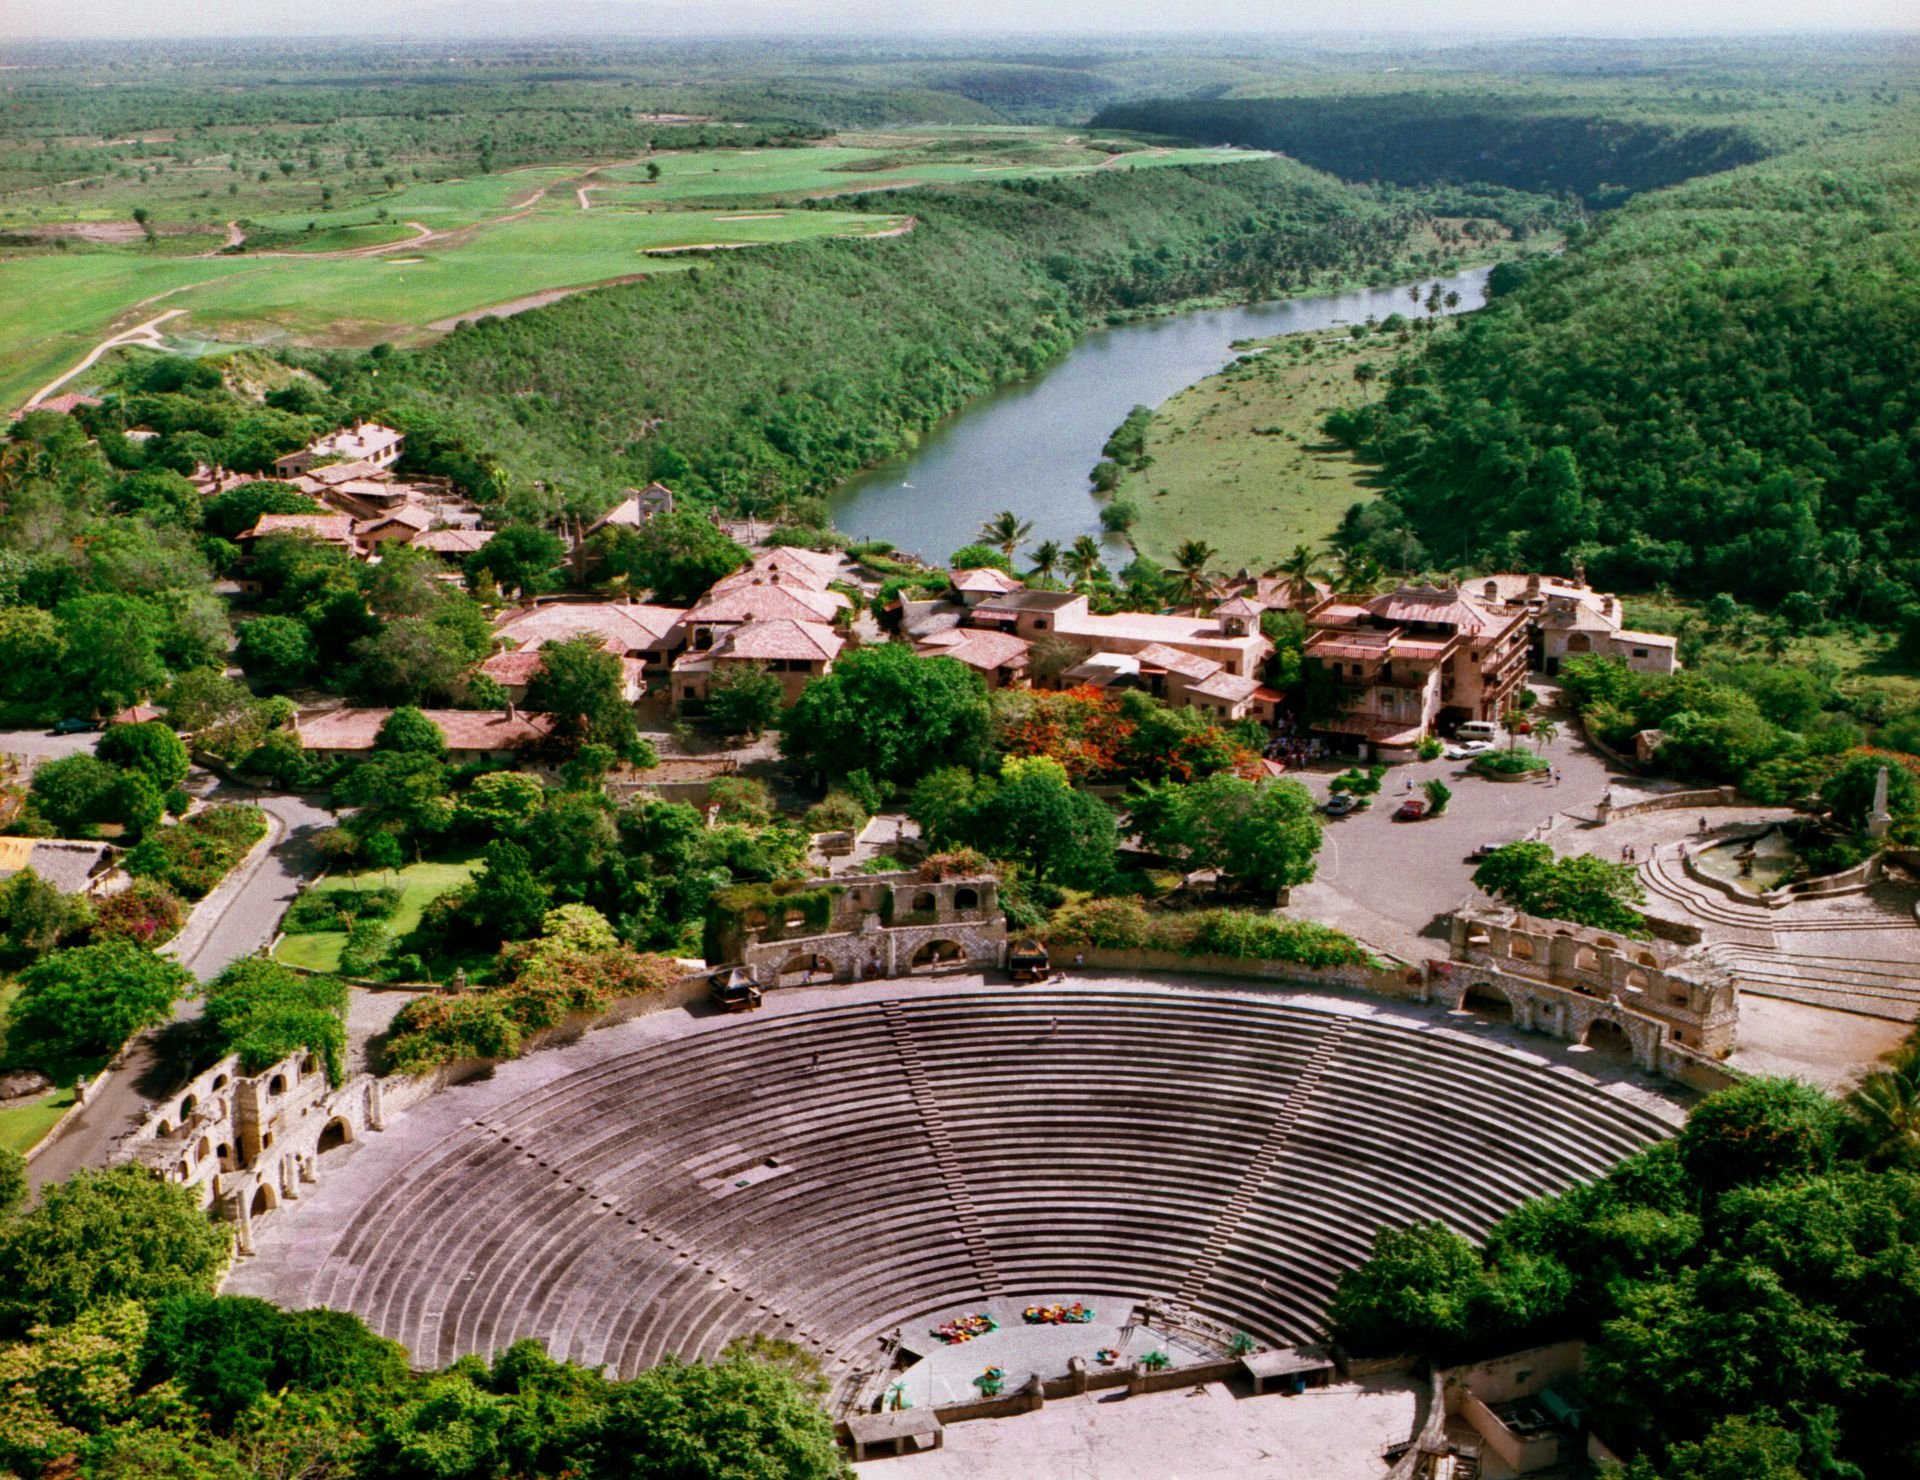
x=999 y=657
x=797 y=652
x=329 y=529
x=363 y=442
x=630 y=628
x=472 y=734
x=639 y=505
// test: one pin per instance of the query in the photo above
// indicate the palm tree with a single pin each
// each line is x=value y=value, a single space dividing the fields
x=1189 y=570
x=1005 y=530
x=1302 y=572
x=1887 y=1104
x=1545 y=732
x=1082 y=560
x=1046 y=558
x=1358 y=574
x=1511 y=721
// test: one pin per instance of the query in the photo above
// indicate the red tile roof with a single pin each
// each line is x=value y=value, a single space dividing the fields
x=766 y=603
x=781 y=640
x=465 y=729
x=1187 y=665
x=625 y=626
x=978 y=648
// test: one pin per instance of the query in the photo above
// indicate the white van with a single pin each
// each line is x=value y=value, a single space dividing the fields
x=1478 y=729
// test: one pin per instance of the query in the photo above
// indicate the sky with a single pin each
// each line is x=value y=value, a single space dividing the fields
x=21 y=19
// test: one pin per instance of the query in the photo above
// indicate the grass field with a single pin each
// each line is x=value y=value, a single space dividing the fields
x=61 y=304
x=1241 y=456
x=421 y=884
x=23 y=1125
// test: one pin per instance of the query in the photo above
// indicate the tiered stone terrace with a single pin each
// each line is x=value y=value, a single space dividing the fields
x=827 y=1174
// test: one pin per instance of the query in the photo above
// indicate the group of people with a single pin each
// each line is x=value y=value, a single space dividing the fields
x=1292 y=749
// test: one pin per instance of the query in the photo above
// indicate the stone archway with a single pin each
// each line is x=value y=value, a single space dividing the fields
x=1605 y=1036
x=804 y=967
x=938 y=955
x=265 y=1200
x=334 y=1135
x=1483 y=999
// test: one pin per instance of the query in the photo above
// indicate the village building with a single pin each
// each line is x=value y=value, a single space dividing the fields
x=1233 y=641
x=635 y=509
x=1416 y=660
x=514 y=670
x=1571 y=619
x=630 y=629
x=471 y=734
x=797 y=652
x=71 y=865
x=364 y=442
x=998 y=657
x=1179 y=678
x=329 y=529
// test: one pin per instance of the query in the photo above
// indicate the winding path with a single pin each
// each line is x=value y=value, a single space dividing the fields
x=147 y=334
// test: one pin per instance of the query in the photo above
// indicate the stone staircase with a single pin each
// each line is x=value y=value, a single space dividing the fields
x=1871 y=988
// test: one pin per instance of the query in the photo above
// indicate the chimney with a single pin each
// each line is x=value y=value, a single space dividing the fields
x=1606 y=605
x=513 y=712
x=1533 y=584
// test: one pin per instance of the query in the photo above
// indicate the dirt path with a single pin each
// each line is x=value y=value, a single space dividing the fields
x=901 y=230
x=147 y=334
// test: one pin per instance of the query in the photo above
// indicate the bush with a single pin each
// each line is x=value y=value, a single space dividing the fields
x=148 y=913
x=264 y=1011
x=321 y=910
x=366 y=947
x=89 y=1000
x=836 y=812
x=197 y=853
x=1509 y=762
x=1127 y=924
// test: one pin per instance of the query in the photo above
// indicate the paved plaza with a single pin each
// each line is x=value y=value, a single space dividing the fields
x=1209 y=1432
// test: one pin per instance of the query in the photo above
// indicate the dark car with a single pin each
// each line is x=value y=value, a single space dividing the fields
x=73 y=727
x=1412 y=810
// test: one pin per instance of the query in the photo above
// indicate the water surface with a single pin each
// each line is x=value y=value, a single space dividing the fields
x=1030 y=446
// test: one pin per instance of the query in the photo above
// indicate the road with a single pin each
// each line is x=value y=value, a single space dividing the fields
x=233 y=922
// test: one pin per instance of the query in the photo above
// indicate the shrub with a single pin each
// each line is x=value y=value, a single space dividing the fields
x=320 y=910
x=1509 y=762
x=91 y=999
x=264 y=1011
x=196 y=854
x=366 y=947
x=148 y=913
x=836 y=812
x=1127 y=924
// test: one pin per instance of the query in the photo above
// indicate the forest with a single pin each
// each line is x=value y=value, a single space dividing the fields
x=1424 y=138
x=767 y=374
x=1747 y=1288
x=1711 y=391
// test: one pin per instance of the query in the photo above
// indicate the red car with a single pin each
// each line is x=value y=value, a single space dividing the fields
x=1412 y=810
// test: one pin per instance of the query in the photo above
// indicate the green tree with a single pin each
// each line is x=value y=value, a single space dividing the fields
x=520 y=557
x=403 y=793
x=744 y=698
x=1848 y=793
x=236 y=511
x=579 y=688
x=13 y=1182
x=151 y=748
x=1588 y=890
x=77 y=792
x=1887 y=1106
x=1759 y=1131
x=1265 y=834
x=89 y=1000
x=890 y=713
x=1035 y=816
x=1005 y=531
x=735 y=1419
x=944 y=801
x=34 y=918
x=978 y=557
x=408 y=731
x=1301 y=570
x=1082 y=561
x=1438 y=794
x=98 y=1237
x=112 y=650
x=676 y=556
x=1192 y=581
x=1412 y=1294
x=507 y=900
x=1046 y=559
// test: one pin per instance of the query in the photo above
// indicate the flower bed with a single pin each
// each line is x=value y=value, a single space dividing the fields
x=965 y=1328
x=1057 y=1315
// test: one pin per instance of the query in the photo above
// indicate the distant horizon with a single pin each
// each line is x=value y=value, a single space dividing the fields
x=1423 y=23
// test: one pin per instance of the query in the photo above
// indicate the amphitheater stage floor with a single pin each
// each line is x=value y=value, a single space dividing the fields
x=1204 y=1433
x=946 y=1373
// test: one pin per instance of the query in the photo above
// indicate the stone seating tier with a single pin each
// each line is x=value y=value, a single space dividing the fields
x=938 y=1149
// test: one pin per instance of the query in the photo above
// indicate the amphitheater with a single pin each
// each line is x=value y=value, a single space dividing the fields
x=860 y=1159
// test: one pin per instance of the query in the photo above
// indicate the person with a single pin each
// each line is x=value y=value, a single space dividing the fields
x=1683 y=850
x=1703 y=827
x=814 y=1067
x=1079 y=959
x=1053 y=1026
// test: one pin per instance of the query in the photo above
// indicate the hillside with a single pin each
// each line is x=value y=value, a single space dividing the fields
x=772 y=373
x=1713 y=390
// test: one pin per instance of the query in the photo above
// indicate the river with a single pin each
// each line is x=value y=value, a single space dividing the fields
x=1030 y=446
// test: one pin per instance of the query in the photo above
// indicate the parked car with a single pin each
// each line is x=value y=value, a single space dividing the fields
x=73 y=727
x=1487 y=850
x=1468 y=749
x=1340 y=804
x=1412 y=810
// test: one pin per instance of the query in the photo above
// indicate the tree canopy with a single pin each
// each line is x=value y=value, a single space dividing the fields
x=888 y=712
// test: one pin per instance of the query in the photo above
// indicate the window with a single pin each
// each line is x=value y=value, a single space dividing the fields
x=1039 y=624
x=1639 y=652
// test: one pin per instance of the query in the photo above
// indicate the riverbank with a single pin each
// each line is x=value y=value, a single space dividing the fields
x=1031 y=446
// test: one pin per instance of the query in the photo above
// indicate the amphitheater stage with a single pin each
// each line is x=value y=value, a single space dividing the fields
x=1212 y=1432
x=945 y=1373
x=851 y=1158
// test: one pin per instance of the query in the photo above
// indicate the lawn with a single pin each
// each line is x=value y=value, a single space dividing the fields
x=1240 y=455
x=421 y=884
x=62 y=304
x=23 y=1125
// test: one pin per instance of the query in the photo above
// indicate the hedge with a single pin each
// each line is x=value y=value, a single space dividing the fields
x=264 y=1011
x=1248 y=935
